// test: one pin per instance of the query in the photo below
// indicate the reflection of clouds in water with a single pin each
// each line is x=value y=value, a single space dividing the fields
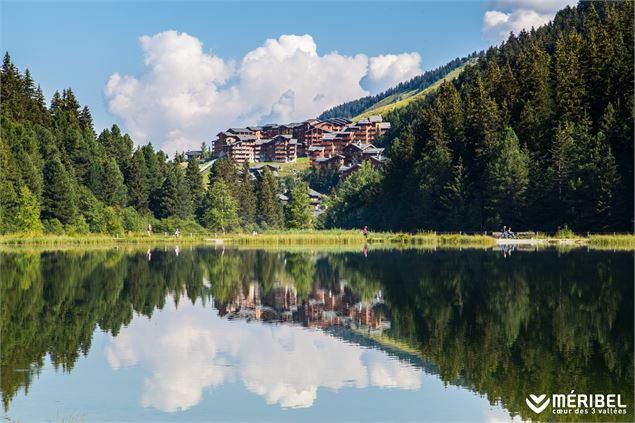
x=192 y=349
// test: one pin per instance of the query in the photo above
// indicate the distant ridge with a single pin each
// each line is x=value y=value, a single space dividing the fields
x=398 y=93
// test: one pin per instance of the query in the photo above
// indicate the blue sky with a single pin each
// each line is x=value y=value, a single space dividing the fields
x=83 y=44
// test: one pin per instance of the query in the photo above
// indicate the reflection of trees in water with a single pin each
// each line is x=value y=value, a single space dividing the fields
x=531 y=323
x=536 y=322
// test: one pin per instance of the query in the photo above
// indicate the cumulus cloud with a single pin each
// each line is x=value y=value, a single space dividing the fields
x=186 y=352
x=388 y=70
x=517 y=15
x=187 y=94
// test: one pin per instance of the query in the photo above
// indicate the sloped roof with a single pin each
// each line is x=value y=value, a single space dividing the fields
x=314 y=193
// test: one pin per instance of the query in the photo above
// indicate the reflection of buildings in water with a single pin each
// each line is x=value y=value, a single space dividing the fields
x=322 y=308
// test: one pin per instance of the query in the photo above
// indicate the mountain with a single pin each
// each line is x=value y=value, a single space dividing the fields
x=401 y=92
x=536 y=133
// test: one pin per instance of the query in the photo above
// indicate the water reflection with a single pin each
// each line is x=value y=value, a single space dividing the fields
x=285 y=324
x=191 y=349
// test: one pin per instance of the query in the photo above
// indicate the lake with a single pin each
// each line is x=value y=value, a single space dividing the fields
x=212 y=334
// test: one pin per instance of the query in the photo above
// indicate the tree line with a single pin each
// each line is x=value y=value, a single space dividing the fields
x=537 y=134
x=59 y=176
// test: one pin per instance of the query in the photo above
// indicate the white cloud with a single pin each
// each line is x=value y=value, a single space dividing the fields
x=545 y=6
x=186 y=352
x=388 y=70
x=497 y=25
x=518 y=15
x=187 y=95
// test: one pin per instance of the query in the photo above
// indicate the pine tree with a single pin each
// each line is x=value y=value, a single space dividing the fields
x=269 y=207
x=454 y=201
x=59 y=199
x=174 y=197
x=560 y=173
x=110 y=187
x=247 y=198
x=429 y=178
x=298 y=213
x=507 y=177
x=137 y=182
x=194 y=181
x=8 y=206
x=569 y=87
x=535 y=98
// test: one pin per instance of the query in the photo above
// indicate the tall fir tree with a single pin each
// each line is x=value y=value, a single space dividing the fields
x=298 y=213
x=269 y=206
x=194 y=180
x=137 y=182
x=247 y=198
x=59 y=199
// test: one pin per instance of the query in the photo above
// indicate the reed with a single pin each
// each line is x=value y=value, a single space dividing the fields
x=617 y=241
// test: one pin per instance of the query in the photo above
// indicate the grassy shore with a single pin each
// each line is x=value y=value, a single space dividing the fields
x=307 y=238
x=612 y=241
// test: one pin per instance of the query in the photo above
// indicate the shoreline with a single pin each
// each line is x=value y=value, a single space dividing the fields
x=308 y=238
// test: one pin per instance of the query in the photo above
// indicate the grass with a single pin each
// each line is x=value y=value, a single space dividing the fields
x=617 y=241
x=96 y=239
x=334 y=238
x=378 y=109
x=300 y=164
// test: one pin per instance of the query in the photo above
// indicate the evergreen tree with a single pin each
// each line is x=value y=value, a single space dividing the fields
x=174 y=196
x=507 y=177
x=110 y=188
x=269 y=206
x=454 y=201
x=569 y=87
x=298 y=213
x=59 y=199
x=247 y=198
x=222 y=209
x=137 y=182
x=194 y=181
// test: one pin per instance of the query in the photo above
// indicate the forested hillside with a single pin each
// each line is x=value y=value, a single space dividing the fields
x=353 y=108
x=58 y=176
x=537 y=134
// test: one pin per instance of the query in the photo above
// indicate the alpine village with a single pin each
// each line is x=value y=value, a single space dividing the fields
x=536 y=133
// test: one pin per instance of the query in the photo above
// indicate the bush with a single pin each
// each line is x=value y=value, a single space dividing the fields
x=131 y=220
x=112 y=221
x=53 y=226
x=564 y=233
x=80 y=227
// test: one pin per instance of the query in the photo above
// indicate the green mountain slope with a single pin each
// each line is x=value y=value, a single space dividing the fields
x=400 y=92
x=399 y=100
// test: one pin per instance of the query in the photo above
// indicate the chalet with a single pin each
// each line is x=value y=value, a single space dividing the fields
x=333 y=162
x=346 y=171
x=257 y=170
x=315 y=197
x=195 y=154
x=315 y=152
x=355 y=151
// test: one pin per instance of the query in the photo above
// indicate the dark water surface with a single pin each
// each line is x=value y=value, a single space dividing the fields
x=204 y=334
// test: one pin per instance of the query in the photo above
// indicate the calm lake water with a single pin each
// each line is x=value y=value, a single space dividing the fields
x=204 y=334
